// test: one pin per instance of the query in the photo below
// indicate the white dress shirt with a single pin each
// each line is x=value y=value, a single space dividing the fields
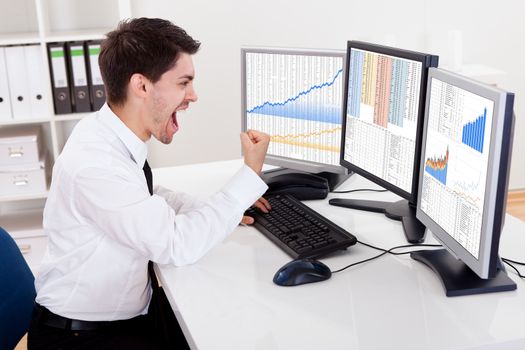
x=104 y=226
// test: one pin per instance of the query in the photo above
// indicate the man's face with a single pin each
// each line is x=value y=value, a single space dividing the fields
x=173 y=92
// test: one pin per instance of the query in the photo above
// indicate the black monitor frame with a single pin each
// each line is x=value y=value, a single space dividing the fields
x=402 y=210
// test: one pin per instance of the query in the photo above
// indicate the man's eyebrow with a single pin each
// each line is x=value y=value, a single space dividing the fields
x=187 y=76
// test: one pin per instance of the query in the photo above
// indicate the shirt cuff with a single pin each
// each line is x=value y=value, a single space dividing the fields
x=245 y=186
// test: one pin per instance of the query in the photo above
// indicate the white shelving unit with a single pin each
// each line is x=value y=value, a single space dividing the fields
x=41 y=22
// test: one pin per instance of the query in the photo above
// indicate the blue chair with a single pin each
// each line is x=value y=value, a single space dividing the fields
x=17 y=293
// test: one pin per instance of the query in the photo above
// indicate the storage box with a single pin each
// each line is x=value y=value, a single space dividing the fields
x=23 y=179
x=20 y=145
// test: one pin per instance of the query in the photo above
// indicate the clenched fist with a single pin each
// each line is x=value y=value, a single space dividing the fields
x=254 y=146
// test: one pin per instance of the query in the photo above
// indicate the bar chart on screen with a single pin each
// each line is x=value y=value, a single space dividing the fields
x=473 y=133
x=297 y=100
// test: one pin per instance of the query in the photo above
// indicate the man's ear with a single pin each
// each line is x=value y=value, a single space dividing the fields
x=138 y=85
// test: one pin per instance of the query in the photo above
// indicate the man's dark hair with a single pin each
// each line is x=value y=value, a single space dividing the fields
x=149 y=46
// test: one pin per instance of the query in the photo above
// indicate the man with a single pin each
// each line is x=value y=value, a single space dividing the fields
x=93 y=289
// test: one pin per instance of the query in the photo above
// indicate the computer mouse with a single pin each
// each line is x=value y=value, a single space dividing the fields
x=302 y=271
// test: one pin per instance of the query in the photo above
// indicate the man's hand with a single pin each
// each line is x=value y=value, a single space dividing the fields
x=263 y=205
x=254 y=146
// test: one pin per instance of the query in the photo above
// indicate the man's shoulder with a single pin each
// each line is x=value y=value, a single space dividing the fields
x=91 y=136
x=90 y=130
x=90 y=145
x=94 y=146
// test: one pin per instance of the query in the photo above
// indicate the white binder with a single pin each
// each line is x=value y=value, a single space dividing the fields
x=36 y=69
x=18 y=82
x=5 y=98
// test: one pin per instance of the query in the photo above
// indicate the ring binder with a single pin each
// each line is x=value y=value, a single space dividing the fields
x=96 y=85
x=18 y=82
x=5 y=98
x=59 y=78
x=79 y=82
x=38 y=94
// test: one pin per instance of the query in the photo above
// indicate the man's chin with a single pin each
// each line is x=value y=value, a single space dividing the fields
x=165 y=138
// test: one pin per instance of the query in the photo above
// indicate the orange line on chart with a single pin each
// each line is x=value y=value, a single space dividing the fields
x=292 y=140
x=473 y=199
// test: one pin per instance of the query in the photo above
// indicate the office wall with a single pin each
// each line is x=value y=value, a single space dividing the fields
x=491 y=35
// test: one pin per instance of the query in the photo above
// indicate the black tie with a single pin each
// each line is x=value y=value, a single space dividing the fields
x=149 y=177
x=149 y=181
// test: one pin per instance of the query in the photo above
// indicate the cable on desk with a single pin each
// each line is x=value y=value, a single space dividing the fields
x=386 y=251
x=391 y=251
x=360 y=190
x=511 y=262
x=411 y=245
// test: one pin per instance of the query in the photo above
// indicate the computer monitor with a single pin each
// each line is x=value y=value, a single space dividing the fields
x=466 y=150
x=383 y=112
x=295 y=96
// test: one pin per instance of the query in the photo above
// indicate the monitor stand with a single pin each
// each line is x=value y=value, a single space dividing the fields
x=334 y=180
x=458 y=279
x=401 y=210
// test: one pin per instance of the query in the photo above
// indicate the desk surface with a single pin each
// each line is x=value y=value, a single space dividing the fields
x=227 y=300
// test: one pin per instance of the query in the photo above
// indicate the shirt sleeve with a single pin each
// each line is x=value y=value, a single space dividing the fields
x=180 y=202
x=119 y=205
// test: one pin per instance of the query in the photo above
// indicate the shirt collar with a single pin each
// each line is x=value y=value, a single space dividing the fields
x=137 y=148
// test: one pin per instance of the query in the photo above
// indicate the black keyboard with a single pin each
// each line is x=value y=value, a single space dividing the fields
x=298 y=230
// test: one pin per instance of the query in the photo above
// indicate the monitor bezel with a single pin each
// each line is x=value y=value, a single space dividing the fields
x=497 y=175
x=280 y=161
x=426 y=60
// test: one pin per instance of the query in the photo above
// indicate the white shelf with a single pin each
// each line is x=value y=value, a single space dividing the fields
x=77 y=35
x=73 y=116
x=19 y=38
x=58 y=118
x=24 y=121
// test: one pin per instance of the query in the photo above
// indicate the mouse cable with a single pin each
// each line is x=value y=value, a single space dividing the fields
x=386 y=251
x=360 y=190
x=391 y=250
x=511 y=264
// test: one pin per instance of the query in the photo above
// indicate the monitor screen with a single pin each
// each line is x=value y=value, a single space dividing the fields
x=384 y=108
x=465 y=157
x=456 y=161
x=295 y=96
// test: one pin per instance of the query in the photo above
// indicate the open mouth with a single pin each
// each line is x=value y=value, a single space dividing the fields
x=174 y=124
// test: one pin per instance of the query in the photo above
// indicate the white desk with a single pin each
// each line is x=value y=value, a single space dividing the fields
x=227 y=300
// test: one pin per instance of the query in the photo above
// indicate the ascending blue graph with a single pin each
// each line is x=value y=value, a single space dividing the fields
x=474 y=132
x=298 y=107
